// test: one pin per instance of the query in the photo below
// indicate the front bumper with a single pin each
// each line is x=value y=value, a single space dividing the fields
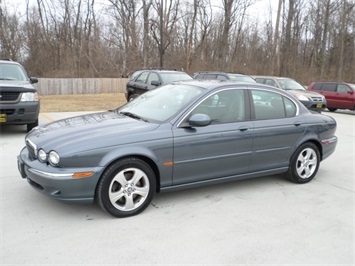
x=20 y=113
x=315 y=106
x=58 y=183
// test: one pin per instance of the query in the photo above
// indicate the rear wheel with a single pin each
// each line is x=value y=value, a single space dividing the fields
x=126 y=188
x=304 y=163
x=332 y=109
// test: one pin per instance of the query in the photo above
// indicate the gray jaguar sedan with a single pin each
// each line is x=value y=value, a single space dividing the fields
x=182 y=135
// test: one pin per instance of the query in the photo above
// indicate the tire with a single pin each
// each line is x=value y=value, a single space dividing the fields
x=126 y=187
x=32 y=125
x=131 y=97
x=332 y=109
x=304 y=164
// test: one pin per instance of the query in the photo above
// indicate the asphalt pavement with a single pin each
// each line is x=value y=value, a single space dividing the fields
x=267 y=220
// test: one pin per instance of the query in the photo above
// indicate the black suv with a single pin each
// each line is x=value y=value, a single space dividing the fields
x=223 y=76
x=147 y=79
x=19 y=100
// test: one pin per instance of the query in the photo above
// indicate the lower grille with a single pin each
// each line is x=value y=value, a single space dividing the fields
x=317 y=99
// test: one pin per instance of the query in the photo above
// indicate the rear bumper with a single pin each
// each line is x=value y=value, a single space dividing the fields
x=19 y=113
x=329 y=146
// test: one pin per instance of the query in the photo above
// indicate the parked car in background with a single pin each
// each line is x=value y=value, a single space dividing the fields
x=339 y=95
x=19 y=100
x=144 y=80
x=181 y=135
x=312 y=100
x=223 y=76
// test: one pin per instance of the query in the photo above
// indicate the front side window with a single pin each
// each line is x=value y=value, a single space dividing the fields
x=223 y=107
x=152 y=77
x=142 y=77
x=271 y=105
x=343 y=88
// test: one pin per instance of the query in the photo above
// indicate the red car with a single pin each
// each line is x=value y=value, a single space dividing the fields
x=339 y=95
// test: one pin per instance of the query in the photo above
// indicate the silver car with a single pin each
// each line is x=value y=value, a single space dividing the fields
x=181 y=135
x=312 y=100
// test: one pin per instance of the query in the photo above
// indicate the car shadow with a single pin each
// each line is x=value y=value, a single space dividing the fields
x=13 y=130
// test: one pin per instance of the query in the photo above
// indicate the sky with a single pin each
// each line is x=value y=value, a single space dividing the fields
x=260 y=9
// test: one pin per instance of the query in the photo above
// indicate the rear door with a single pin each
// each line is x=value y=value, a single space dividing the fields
x=277 y=129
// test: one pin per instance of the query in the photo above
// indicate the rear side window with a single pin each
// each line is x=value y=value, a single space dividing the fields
x=270 y=105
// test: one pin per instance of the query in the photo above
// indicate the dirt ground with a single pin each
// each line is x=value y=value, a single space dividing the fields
x=81 y=102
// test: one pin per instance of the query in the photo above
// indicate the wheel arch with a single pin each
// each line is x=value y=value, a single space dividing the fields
x=144 y=158
x=315 y=142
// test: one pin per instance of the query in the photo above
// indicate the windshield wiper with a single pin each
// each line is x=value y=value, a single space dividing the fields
x=134 y=116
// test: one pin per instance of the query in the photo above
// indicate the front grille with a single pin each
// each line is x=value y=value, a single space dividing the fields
x=317 y=99
x=6 y=96
x=32 y=149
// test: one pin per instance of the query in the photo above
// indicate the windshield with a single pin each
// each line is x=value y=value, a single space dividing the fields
x=160 y=104
x=12 y=72
x=171 y=77
x=352 y=86
x=290 y=84
x=241 y=78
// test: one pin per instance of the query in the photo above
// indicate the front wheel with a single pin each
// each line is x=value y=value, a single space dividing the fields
x=304 y=163
x=32 y=125
x=126 y=188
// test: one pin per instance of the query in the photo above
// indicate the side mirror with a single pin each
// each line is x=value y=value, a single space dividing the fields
x=155 y=83
x=351 y=92
x=33 y=80
x=199 y=120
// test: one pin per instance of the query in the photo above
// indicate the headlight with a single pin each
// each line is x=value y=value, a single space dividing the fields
x=29 y=97
x=42 y=155
x=53 y=158
x=302 y=98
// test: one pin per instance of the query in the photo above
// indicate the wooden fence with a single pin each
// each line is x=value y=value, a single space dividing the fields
x=57 y=86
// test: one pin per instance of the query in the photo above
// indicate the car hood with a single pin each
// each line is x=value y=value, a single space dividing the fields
x=96 y=130
x=16 y=86
x=305 y=93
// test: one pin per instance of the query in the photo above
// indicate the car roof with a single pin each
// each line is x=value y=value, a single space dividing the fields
x=8 y=61
x=270 y=77
x=213 y=84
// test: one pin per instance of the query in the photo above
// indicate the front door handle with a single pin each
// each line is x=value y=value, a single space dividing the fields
x=298 y=123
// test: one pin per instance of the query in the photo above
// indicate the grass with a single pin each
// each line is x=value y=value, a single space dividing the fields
x=81 y=102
